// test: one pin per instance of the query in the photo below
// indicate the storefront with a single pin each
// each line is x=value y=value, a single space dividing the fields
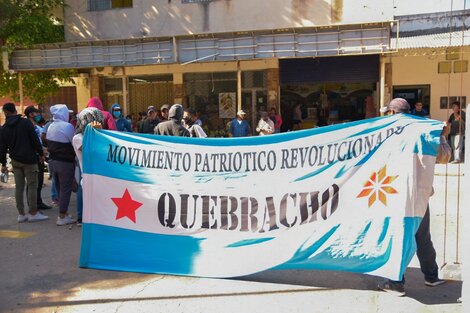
x=329 y=90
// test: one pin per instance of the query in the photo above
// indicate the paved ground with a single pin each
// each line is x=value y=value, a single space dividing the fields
x=39 y=273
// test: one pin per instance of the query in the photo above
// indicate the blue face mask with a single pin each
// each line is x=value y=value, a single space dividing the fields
x=37 y=118
x=116 y=113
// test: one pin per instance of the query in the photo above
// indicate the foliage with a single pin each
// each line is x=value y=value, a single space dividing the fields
x=23 y=24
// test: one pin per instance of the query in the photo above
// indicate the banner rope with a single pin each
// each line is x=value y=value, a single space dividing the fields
x=444 y=255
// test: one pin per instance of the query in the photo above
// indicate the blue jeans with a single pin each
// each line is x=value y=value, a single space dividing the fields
x=54 y=195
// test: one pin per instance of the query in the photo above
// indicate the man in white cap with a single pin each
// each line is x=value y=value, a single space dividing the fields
x=239 y=127
x=424 y=247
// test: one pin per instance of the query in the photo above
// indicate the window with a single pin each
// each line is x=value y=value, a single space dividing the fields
x=98 y=5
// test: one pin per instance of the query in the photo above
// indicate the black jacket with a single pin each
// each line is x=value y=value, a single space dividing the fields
x=19 y=139
x=173 y=126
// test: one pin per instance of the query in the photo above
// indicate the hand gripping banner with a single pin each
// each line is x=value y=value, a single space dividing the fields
x=345 y=197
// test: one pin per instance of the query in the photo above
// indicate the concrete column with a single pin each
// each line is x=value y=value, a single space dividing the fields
x=273 y=88
x=239 y=86
x=178 y=88
x=125 y=102
x=382 y=82
x=95 y=85
x=82 y=84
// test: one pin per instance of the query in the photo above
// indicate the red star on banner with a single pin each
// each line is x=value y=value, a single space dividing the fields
x=126 y=206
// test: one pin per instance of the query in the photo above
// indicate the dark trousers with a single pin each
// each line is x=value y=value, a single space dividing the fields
x=425 y=250
x=41 y=168
x=64 y=173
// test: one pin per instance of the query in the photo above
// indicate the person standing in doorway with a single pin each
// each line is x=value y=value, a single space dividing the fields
x=419 y=110
x=297 y=117
x=18 y=138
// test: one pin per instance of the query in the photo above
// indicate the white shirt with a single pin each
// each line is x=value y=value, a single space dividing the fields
x=265 y=127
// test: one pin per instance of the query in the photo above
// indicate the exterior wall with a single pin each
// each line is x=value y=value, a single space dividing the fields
x=408 y=69
x=161 y=18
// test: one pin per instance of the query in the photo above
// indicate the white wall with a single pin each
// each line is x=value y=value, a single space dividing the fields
x=158 y=18
x=422 y=70
x=405 y=7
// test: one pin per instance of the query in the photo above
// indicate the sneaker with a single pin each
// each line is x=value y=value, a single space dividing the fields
x=434 y=282
x=65 y=221
x=22 y=218
x=37 y=218
x=79 y=222
x=396 y=289
x=55 y=202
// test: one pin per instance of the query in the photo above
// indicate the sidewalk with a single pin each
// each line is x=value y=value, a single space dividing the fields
x=39 y=273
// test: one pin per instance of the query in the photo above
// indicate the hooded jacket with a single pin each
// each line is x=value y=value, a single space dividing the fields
x=19 y=139
x=60 y=134
x=108 y=123
x=121 y=123
x=173 y=127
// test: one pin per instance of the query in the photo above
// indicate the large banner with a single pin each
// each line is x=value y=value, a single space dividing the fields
x=345 y=197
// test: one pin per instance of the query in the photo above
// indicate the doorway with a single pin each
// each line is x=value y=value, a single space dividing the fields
x=413 y=94
x=254 y=100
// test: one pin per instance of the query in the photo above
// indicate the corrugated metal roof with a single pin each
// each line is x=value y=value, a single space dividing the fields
x=447 y=39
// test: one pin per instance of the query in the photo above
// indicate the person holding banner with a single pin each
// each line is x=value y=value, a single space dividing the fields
x=95 y=118
x=424 y=247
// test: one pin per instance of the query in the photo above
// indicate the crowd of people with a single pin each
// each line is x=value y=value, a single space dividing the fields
x=32 y=143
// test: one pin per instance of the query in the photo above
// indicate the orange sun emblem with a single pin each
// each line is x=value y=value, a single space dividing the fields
x=378 y=186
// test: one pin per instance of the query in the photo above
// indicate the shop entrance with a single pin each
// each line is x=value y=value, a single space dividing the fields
x=413 y=94
x=253 y=101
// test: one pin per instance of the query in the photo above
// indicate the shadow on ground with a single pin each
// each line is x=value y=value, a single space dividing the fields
x=415 y=288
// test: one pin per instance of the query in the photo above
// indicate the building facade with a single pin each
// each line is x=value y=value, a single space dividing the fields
x=339 y=59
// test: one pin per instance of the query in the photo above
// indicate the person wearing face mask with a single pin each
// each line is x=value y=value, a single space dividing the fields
x=122 y=124
x=190 y=122
x=19 y=140
x=33 y=115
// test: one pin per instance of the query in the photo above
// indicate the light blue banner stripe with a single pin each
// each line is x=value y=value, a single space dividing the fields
x=112 y=248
